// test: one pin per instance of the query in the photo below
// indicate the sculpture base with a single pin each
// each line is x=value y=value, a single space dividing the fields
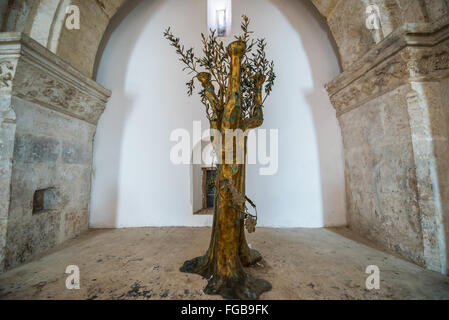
x=243 y=287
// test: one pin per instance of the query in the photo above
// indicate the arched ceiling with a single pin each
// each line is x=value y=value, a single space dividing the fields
x=43 y=20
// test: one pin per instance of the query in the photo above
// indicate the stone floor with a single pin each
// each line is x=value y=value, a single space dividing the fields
x=143 y=263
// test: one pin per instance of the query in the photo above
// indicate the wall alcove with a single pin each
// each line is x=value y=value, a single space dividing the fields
x=134 y=182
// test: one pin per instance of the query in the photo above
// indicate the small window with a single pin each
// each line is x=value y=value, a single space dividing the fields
x=208 y=190
x=45 y=200
x=221 y=22
x=219 y=17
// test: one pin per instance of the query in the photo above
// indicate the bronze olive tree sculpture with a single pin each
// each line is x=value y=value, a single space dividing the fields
x=240 y=75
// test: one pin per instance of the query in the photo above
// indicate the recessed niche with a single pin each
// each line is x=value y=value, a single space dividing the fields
x=209 y=177
x=45 y=200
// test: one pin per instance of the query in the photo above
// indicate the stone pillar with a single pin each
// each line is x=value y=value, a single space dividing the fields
x=8 y=64
x=393 y=108
x=48 y=117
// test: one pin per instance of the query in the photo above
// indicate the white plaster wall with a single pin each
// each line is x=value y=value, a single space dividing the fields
x=134 y=182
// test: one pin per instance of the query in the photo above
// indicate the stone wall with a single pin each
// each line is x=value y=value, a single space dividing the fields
x=49 y=121
x=380 y=174
x=7 y=134
x=392 y=109
x=347 y=22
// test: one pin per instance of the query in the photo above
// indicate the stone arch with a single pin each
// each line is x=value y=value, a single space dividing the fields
x=43 y=21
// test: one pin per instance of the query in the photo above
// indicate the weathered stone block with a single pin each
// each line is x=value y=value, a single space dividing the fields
x=76 y=154
x=36 y=149
x=33 y=235
x=395 y=131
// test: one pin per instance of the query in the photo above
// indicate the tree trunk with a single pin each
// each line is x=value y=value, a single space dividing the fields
x=228 y=251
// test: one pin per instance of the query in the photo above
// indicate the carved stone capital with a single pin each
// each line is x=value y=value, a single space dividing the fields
x=33 y=73
x=414 y=52
x=7 y=71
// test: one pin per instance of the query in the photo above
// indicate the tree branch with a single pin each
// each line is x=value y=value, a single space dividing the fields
x=209 y=90
x=256 y=113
